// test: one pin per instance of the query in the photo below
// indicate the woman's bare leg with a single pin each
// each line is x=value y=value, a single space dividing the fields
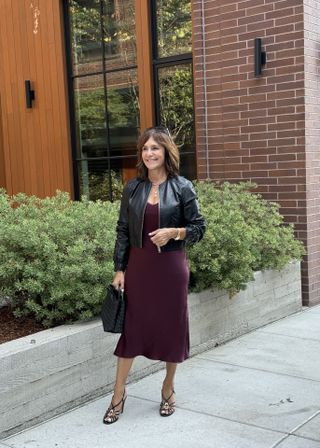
x=123 y=369
x=168 y=383
x=117 y=403
x=168 y=386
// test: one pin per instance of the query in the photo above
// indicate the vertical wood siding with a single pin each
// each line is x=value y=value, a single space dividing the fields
x=36 y=142
x=144 y=60
x=2 y=171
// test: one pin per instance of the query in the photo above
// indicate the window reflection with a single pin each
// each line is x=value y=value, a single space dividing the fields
x=90 y=116
x=86 y=36
x=98 y=137
x=119 y=33
x=174 y=27
x=104 y=179
x=176 y=103
x=106 y=95
x=123 y=109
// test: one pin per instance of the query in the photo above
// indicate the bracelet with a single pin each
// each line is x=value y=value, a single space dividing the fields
x=178 y=235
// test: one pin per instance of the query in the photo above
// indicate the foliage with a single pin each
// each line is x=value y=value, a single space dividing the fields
x=245 y=233
x=122 y=110
x=174 y=27
x=115 y=23
x=98 y=186
x=56 y=255
x=176 y=103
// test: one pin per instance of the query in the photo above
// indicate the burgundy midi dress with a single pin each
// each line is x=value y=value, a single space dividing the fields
x=156 y=287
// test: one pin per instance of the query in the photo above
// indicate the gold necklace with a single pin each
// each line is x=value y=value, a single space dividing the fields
x=155 y=190
x=155 y=186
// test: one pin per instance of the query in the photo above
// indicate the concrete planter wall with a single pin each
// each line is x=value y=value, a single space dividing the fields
x=54 y=370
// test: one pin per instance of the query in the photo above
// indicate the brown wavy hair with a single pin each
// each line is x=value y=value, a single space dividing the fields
x=163 y=137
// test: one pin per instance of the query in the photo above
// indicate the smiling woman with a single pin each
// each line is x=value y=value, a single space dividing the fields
x=153 y=154
x=159 y=214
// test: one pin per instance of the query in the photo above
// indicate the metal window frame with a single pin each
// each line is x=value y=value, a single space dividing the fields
x=68 y=55
x=157 y=63
x=71 y=77
x=161 y=62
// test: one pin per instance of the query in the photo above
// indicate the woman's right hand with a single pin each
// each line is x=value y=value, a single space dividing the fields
x=118 y=280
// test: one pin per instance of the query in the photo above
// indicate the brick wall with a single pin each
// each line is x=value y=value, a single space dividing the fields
x=311 y=269
x=254 y=128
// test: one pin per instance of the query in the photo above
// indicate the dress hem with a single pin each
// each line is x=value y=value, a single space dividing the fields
x=152 y=358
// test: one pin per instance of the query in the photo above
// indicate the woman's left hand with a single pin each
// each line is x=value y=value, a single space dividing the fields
x=160 y=237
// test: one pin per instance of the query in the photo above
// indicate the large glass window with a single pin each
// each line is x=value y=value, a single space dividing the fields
x=172 y=60
x=104 y=87
x=105 y=94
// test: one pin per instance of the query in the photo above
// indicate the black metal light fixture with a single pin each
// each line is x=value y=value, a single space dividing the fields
x=260 y=57
x=30 y=95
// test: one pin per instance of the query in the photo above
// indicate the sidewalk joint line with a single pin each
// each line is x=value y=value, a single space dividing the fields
x=251 y=425
x=304 y=423
x=288 y=336
x=280 y=441
x=259 y=370
x=296 y=436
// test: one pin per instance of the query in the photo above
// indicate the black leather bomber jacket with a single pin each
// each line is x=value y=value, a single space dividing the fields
x=178 y=207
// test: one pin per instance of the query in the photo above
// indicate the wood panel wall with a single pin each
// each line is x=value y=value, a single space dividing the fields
x=36 y=142
x=144 y=61
x=2 y=171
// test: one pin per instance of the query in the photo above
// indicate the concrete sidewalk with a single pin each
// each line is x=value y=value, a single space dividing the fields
x=261 y=390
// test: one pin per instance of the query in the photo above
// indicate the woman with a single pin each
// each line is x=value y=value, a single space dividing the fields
x=159 y=213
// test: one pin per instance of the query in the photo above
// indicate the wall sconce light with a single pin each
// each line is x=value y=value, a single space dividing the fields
x=260 y=57
x=30 y=95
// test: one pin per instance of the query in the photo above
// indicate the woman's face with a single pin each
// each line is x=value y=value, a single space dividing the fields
x=153 y=155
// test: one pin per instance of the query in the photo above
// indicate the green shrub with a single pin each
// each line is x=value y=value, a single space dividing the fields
x=97 y=186
x=56 y=255
x=245 y=233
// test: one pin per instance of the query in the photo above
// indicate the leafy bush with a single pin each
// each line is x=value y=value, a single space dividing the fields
x=245 y=233
x=56 y=254
x=97 y=186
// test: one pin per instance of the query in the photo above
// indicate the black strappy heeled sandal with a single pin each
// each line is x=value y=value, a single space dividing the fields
x=166 y=408
x=112 y=415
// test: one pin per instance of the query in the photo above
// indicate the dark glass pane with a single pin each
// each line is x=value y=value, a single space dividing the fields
x=176 y=103
x=119 y=33
x=188 y=166
x=123 y=111
x=86 y=38
x=97 y=178
x=174 y=28
x=90 y=113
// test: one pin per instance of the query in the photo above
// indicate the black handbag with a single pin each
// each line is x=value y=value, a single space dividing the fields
x=113 y=310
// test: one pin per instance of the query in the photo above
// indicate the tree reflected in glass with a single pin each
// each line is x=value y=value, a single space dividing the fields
x=176 y=103
x=85 y=36
x=174 y=27
x=119 y=33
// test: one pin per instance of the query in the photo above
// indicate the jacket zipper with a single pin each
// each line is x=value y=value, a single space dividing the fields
x=144 y=210
x=158 y=247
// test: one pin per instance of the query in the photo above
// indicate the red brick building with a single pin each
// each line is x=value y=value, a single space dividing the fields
x=103 y=69
x=265 y=129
